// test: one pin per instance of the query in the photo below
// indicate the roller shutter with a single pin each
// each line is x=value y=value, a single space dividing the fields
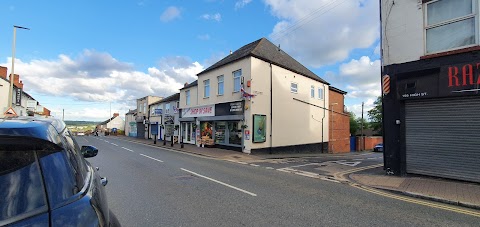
x=443 y=138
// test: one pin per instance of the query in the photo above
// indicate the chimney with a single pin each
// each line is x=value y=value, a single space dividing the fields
x=230 y=52
x=185 y=84
x=3 y=72
x=116 y=115
x=16 y=81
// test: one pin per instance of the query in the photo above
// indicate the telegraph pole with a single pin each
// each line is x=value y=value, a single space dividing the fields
x=12 y=74
x=361 y=138
x=63 y=114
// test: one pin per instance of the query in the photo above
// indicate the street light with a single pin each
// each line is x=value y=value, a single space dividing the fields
x=12 y=74
x=331 y=121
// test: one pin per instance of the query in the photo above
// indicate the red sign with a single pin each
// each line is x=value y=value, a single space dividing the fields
x=464 y=75
x=199 y=111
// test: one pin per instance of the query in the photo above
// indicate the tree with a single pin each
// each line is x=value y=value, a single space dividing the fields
x=354 y=126
x=375 y=115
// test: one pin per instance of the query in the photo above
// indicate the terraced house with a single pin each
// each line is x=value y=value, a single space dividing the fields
x=257 y=99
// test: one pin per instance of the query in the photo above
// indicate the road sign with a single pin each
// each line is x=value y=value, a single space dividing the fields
x=10 y=113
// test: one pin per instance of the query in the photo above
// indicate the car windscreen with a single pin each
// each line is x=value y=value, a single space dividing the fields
x=21 y=189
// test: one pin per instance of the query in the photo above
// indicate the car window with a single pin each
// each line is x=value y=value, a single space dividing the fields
x=65 y=171
x=21 y=188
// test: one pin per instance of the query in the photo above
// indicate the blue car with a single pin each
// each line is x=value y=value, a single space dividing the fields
x=378 y=148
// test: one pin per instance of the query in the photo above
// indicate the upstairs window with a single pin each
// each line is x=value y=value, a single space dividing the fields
x=220 y=85
x=312 y=92
x=236 y=80
x=320 y=93
x=206 y=90
x=187 y=97
x=450 y=24
x=167 y=108
x=293 y=87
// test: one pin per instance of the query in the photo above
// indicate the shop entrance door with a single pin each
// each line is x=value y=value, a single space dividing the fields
x=187 y=132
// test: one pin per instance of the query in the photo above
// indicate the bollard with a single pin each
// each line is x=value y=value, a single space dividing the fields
x=181 y=142
x=172 y=142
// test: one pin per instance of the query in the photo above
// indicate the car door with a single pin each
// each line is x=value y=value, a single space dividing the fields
x=23 y=198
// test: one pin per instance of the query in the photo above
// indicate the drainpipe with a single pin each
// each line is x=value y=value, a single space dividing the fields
x=271 y=107
x=323 y=114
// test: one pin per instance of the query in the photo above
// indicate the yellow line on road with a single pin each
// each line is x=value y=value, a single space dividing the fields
x=402 y=197
x=420 y=202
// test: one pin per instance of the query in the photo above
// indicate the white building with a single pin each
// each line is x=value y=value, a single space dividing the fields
x=163 y=118
x=257 y=99
x=142 y=115
x=115 y=123
x=130 y=123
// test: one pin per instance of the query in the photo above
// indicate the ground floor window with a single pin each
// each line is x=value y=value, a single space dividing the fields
x=228 y=133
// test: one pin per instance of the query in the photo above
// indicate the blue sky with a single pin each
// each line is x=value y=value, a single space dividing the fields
x=88 y=57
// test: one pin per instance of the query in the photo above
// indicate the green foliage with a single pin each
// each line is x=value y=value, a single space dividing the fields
x=375 y=115
x=354 y=126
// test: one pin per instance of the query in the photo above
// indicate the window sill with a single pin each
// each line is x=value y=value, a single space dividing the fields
x=452 y=52
x=220 y=95
x=206 y=97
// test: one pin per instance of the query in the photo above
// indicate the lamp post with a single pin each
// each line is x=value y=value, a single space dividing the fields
x=331 y=121
x=12 y=74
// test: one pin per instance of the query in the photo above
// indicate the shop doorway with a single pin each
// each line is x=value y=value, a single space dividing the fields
x=188 y=132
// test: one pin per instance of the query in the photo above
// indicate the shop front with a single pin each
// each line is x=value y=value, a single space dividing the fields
x=429 y=119
x=219 y=125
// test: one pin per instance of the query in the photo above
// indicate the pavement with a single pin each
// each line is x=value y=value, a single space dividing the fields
x=460 y=193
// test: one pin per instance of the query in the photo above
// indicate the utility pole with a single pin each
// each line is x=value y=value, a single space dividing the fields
x=362 y=141
x=63 y=115
x=12 y=74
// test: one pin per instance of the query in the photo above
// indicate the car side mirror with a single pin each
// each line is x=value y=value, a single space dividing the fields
x=89 y=151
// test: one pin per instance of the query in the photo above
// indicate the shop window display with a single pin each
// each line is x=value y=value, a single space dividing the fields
x=206 y=133
x=235 y=133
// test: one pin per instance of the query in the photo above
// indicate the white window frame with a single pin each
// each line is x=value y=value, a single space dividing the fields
x=221 y=83
x=320 y=93
x=292 y=88
x=167 y=108
x=206 y=84
x=239 y=77
x=187 y=97
x=475 y=7
x=312 y=91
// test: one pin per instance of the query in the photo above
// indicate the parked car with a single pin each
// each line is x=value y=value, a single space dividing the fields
x=44 y=178
x=80 y=133
x=378 y=148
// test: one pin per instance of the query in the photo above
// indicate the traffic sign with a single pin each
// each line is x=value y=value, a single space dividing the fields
x=10 y=112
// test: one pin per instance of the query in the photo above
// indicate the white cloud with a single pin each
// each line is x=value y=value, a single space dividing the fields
x=377 y=49
x=170 y=14
x=98 y=77
x=323 y=32
x=216 y=17
x=241 y=3
x=361 y=79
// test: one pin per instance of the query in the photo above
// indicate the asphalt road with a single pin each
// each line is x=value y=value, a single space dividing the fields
x=154 y=187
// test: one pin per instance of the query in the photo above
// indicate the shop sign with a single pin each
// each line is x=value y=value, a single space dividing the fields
x=31 y=104
x=175 y=110
x=154 y=129
x=231 y=108
x=247 y=134
x=157 y=111
x=169 y=130
x=18 y=97
x=462 y=78
x=169 y=119
x=203 y=111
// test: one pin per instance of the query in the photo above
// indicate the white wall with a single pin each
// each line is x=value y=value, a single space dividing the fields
x=128 y=118
x=227 y=72
x=4 y=87
x=402 y=28
x=193 y=97
x=117 y=122
x=294 y=122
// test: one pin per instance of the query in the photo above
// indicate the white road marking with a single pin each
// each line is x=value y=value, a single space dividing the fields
x=254 y=165
x=352 y=164
x=114 y=144
x=219 y=182
x=269 y=168
x=151 y=158
x=371 y=158
x=127 y=149
x=358 y=159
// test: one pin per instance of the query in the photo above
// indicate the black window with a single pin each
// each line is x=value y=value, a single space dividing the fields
x=65 y=171
x=21 y=188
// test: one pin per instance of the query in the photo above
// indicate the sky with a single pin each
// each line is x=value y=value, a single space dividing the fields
x=94 y=58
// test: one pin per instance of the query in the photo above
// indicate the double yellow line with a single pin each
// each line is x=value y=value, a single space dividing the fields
x=340 y=175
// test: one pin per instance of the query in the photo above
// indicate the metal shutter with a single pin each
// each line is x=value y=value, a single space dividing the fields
x=443 y=138
x=140 y=130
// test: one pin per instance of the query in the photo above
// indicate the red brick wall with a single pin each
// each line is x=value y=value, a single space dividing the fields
x=370 y=142
x=3 y=72
x=339 y=126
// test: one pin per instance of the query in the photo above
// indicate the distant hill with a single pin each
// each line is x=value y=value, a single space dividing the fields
x=81 y=123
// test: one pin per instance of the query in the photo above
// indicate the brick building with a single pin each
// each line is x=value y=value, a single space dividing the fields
x=339 y=127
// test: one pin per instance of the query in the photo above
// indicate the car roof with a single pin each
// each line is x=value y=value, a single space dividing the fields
x=41 y=128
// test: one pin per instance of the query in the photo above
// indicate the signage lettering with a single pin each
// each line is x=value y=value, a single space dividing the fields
x=467 y=75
